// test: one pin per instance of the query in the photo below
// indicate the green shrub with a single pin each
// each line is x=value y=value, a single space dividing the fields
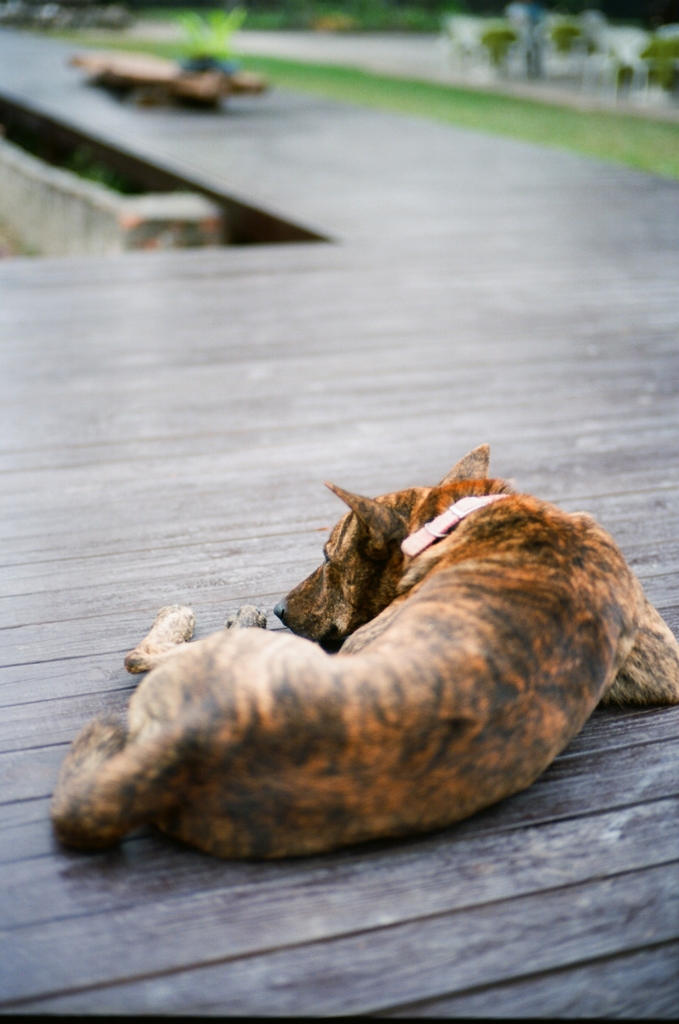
x=564 y=34
x=365 y=15
x=83 y=163
x=497 y=39
x=662 y=54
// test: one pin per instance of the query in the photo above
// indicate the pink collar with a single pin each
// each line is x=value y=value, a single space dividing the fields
x=447 y=521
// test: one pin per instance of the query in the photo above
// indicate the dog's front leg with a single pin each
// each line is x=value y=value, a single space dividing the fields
x=173 y=626
x=247 y=617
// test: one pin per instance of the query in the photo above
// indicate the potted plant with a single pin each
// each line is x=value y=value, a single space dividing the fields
x=662 y=56
x=564 y=33
x=497 y=39
x=209 y=40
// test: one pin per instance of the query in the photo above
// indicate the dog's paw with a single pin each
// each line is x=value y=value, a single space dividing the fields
x=173 y=626
x=247 y=617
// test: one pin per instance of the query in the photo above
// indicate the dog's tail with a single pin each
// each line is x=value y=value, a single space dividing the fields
x=109 y=785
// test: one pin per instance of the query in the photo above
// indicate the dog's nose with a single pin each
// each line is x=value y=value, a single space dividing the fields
x=279 y=610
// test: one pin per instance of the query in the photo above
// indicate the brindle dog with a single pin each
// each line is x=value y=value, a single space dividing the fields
x=465 y=670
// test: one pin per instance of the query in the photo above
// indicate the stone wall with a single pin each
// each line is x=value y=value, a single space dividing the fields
x=57 y=213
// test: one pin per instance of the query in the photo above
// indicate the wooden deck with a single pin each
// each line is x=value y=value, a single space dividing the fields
x=167 y=422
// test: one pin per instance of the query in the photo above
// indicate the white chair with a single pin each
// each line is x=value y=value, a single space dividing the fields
x=461 y=43
x=668 y=31
x=620 y=49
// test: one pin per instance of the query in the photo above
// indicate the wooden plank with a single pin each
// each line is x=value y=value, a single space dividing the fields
x=119 y=607
x=638 y=466
x=571 y=785
x=30 y=774
x=202 y=511
x=329 y=404
x=319 y=401
x=205 y=515
x=253 y=401
x=103 y=633
x=412 y=273
x=642 y=985
x=165 y=427
x=621 y=727
x=25 y=829
x=581 y=784
x=174 y=580
x=372 y=970
x=49 y=722
x=329 y=412
x=454 y=872
x=67 y=605
x=53 y=546
x=301 y=551
x=249 y=340
x=244 y=510
x=251 y=561
x=58 y=680
x=53 y=719
x=214 y=578
x=385 y=302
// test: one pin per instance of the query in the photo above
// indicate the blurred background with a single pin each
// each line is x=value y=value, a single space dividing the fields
x=600 y=81
x=385 y=15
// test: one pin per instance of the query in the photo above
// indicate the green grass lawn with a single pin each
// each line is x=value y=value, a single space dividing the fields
x=618 y=138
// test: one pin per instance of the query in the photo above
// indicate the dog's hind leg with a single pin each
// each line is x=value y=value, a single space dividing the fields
x=650 y=673
x=109 y=784
x=173 y=626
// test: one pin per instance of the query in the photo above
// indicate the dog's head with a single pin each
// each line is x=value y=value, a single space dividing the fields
x=363 y=558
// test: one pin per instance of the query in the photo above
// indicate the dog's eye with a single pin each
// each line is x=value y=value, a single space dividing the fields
x=326 y=556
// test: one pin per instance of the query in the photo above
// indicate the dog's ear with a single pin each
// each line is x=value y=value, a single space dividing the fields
x=474 y=466
x=381 y=524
